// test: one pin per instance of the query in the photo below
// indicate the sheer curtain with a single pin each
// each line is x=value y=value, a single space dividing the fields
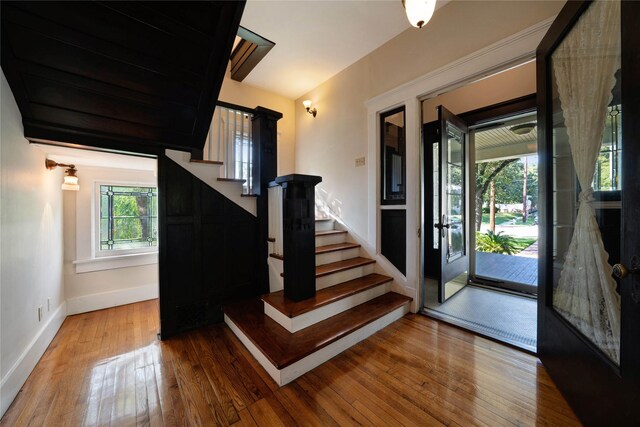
x=584 y=65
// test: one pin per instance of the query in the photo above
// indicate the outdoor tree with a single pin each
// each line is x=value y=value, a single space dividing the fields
x=507 y=176
x=485 y=173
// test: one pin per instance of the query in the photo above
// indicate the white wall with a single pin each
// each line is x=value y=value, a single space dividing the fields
x=31 y=245
x=93 y=290
x=249 y=96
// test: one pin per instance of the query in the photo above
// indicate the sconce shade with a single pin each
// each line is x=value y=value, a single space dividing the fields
x=70 y=181
x=419 y=12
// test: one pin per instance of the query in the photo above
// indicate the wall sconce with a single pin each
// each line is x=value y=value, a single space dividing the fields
x=307 y=105
x=419 y=12
x=70 y=179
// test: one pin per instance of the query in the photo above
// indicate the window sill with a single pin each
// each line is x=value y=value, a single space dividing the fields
x=113 y=262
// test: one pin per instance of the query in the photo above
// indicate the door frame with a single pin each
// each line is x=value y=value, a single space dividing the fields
x=600 y=392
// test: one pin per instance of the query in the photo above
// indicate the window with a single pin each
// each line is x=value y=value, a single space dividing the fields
x=230 y=142
x=609 y=163
x=393 y=162
x=128 y=219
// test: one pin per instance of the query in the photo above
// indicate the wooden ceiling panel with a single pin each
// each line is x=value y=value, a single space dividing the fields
x=147 y=72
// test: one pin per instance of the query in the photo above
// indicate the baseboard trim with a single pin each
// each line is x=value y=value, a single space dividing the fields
x=20 y=371
x=86 y=303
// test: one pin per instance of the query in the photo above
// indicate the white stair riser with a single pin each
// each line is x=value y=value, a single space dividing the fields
x=343 y=276
x=295 y=324
x=331 y=239
x=295 y=370
x=336 y=256
x=276 y=281
x=324 y=225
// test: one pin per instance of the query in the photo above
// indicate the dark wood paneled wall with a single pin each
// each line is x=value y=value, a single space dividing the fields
x=393 y=227
x=208 y=251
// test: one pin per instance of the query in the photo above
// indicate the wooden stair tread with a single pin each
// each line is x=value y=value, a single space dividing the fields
x=347 y=264
x=277 y=256
x=206 y=162
x=337 y=247
x=232 y=180
x=324 y=296
x=283 y=348
x=335 y=267
x=329 y=232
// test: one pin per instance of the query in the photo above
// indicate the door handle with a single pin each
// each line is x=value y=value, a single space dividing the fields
x=621 y=271
x=442 y=225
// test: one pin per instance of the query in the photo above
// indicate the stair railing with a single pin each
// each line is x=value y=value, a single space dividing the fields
x=230 y=141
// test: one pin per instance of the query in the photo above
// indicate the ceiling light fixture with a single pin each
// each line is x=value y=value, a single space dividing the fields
x=419 y=12
x=70 y=179
x=307 y=105
x=522 y=129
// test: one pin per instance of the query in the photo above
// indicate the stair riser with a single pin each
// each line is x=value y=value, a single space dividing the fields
x=336 y=256
x=299 y=368
x=324 y=225
x=331 y=239
x=295 y=324
x=343 y=276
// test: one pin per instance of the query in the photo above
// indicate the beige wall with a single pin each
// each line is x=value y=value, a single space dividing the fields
x=91 y=290
x=31 y=251
x=249 y=96
x=510 y=84
x=329 y=144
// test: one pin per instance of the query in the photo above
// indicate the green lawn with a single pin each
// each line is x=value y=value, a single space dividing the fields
x=522 y=243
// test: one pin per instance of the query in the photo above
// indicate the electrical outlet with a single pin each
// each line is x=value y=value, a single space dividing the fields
x=39 y=313
x=48 y=304
x=360 y=161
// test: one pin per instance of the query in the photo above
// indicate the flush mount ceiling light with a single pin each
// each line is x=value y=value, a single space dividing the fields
x=70 y=179
x=307 y=105
x=419 y=12
x=522 y=129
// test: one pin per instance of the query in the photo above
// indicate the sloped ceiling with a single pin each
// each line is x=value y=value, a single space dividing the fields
x=130 y=76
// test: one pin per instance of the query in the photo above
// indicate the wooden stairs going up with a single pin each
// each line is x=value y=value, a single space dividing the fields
x=351 y=303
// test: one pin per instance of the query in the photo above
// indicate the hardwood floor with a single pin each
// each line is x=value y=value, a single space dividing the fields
x=107 y=367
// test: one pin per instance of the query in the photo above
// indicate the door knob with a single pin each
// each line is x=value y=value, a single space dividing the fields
x=621 y=271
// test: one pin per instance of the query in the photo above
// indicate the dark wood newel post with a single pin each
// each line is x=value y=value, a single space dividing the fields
x=264 y=128
x=298 y=229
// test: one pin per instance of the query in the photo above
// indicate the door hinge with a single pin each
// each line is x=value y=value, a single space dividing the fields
x=419 y=232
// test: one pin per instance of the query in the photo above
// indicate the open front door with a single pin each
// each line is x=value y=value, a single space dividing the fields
x=453 y=219
x=589 y=142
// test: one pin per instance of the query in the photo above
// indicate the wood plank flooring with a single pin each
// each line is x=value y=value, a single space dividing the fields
x=108 y=368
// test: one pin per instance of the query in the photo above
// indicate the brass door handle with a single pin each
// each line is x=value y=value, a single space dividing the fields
x=621 y=271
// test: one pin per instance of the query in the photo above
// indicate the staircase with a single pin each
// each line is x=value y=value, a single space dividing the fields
x=351 y=303
x=208 y=171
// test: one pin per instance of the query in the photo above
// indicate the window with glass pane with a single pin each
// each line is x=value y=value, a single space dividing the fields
x=393 y=160
x=609 y=163
x=128 y=217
